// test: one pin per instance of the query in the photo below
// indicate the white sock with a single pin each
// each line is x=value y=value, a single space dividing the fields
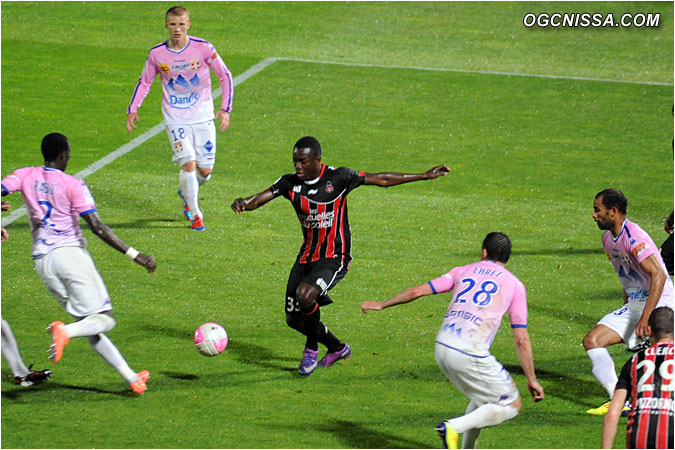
x=469 y=437
x=110 y=354
x=10 y=350
x=202 y=179
x=603 y=368
x=488 y=415
x=190 y=188
x=90 y=326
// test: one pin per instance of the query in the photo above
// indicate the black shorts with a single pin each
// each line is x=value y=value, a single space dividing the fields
x=324 y=274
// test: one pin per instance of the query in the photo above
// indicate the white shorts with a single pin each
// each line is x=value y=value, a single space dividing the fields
x=482 y=379
x=193 y=142
x=71 y=277
x=624 y=320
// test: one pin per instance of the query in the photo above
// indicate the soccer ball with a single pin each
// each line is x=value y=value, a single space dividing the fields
x=210 y=339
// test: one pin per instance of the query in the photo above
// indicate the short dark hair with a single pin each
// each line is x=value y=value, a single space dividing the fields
x=311 y=143
x=53 y=145
x=177 y=11
x=612 y=198
x=498 y=246
x=661 y=322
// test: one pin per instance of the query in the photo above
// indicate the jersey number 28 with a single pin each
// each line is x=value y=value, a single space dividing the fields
x=481 y=296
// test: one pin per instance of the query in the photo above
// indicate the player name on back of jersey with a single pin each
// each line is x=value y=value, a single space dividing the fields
x=660 y=351
x=486 y=272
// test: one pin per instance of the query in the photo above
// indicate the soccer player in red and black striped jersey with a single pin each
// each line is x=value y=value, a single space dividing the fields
x=318 y=194
x=647 y=378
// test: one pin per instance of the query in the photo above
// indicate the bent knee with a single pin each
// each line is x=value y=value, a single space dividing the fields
x=594 y=339
x=306 y=295
x=590 y=342
x=189 y=166
x=205 y=172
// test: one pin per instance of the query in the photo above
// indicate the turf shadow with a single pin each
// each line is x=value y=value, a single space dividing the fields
x=564 y=386
x=560 y=251
x=355 y=435
x=16 y=394
x=180 y=333
x=257 y=355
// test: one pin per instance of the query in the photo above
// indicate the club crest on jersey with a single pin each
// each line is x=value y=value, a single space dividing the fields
x=178 y=147
x=329 y=187
x=194 y=63
x=164 y=68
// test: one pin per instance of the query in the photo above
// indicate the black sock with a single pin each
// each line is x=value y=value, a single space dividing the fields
x=311 y=319
x=328 y=339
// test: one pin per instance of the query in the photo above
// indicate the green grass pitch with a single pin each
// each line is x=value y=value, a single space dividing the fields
x=528 y=153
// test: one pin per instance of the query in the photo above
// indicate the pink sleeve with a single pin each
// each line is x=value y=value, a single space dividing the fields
x=444 y=283
x=143 y=87
x=218 y=66
x=12 y=183
x=518 y=308
x=82 y=202
x=641 y=249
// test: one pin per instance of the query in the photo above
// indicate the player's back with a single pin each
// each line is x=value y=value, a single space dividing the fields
x=650 y=423
x=53 y=200
x=482 y=293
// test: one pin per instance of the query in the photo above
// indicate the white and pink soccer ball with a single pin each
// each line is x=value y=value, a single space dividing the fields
x=210 y=339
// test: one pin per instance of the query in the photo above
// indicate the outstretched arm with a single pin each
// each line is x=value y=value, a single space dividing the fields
x=107 y=235
x=386 y=179
x=406 y=296
x=253 y=202
x=524 y=352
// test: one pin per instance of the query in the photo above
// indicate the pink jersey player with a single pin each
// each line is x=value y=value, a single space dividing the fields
x=626 y=252
x=482 y=293
x=184 y=63
x=186 y=81
x=54 y=201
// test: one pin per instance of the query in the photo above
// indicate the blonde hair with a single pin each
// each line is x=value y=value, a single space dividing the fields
x=177 y=11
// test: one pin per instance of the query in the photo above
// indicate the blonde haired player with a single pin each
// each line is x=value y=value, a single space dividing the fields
x=182 y=63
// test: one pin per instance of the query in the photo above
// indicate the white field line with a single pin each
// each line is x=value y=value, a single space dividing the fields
x=154 y=131
x=483 y=72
